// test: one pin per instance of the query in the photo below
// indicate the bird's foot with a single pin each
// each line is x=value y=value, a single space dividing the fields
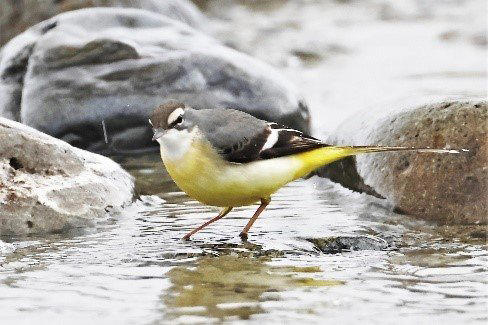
x=243 y=236
x=186 y=237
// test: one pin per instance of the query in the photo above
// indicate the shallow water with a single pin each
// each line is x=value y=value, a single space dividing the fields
x=136 y=269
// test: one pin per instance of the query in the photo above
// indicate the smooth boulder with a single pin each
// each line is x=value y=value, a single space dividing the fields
x=18 y=15
x=445 y=188
x=46 y=185
x=91 y=77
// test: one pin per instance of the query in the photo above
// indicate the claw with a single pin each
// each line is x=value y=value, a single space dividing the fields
x=243 y=236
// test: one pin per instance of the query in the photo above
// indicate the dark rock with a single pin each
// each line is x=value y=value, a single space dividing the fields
x=345 y=172
x=333 y=245
x=17 y=15
x=46 y=185
x=117 y=65
x=446 y=188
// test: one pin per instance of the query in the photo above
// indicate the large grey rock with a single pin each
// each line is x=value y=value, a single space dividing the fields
x=18 y=15
x=446 y=188
x=68 y=74
x=47 y=185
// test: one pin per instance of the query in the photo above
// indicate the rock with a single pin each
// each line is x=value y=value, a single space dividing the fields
x=17 y=15
x=68 y=74
x=46 y=185
x=446 y=188
x=334 y=245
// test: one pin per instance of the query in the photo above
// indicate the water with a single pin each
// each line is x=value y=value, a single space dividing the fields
x=136 y=270
x=345 y=56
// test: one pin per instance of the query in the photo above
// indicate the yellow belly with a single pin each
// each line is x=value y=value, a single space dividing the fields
x=208 y=178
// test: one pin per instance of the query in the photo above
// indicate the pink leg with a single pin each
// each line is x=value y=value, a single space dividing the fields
x=264 y=204
x=222 y=214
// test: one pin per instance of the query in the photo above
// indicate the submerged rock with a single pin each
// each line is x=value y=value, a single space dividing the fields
x=18 y=15
x=446 y=188
x=340 y=244
x=91 y=77
x=46 y=185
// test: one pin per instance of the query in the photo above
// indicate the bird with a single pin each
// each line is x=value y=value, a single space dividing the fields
x=227 y=158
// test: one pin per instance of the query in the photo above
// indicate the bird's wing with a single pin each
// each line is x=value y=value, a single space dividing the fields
x=241 y=138
x=283 y=141
x=270 y=142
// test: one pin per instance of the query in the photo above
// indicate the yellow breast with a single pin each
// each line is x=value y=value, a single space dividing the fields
x=204 y=175
x=208 y=178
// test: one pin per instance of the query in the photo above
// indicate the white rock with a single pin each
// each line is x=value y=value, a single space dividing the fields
x=47 y=185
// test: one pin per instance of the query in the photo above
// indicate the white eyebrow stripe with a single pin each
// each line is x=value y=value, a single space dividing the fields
x=174 y=115
x=271 y=140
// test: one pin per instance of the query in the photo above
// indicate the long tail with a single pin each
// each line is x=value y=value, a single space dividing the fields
x=316 y=158
x=354 y=150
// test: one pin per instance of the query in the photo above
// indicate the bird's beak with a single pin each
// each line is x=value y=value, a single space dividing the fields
x=157 y=134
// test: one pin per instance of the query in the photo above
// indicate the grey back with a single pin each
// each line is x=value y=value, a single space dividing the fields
x=225 y=128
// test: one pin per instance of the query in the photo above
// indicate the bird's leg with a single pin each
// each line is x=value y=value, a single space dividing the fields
x=264 y=204
x=222 y=214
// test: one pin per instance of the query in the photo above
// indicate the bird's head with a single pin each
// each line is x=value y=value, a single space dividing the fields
x=166 y=117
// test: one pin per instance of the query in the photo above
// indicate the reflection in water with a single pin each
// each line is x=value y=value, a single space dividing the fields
x=136 y=269
x=232 y=285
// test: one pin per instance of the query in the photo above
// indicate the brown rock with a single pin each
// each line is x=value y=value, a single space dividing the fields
x=446 y=188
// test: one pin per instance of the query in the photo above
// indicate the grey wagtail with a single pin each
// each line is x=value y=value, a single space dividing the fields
x=228 y=158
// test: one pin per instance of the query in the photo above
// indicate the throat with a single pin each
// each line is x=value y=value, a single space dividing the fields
x=175 y=144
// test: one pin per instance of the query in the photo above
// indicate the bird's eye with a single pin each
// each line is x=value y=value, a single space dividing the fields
x=179 y=119
x=176 y=117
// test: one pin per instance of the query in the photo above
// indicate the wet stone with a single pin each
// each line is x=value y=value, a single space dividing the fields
x=334 y=245
x=46 y=185
x=241 y=250
x=444 y=188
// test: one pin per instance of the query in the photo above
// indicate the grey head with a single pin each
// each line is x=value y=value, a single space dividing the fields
x=167 y=116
